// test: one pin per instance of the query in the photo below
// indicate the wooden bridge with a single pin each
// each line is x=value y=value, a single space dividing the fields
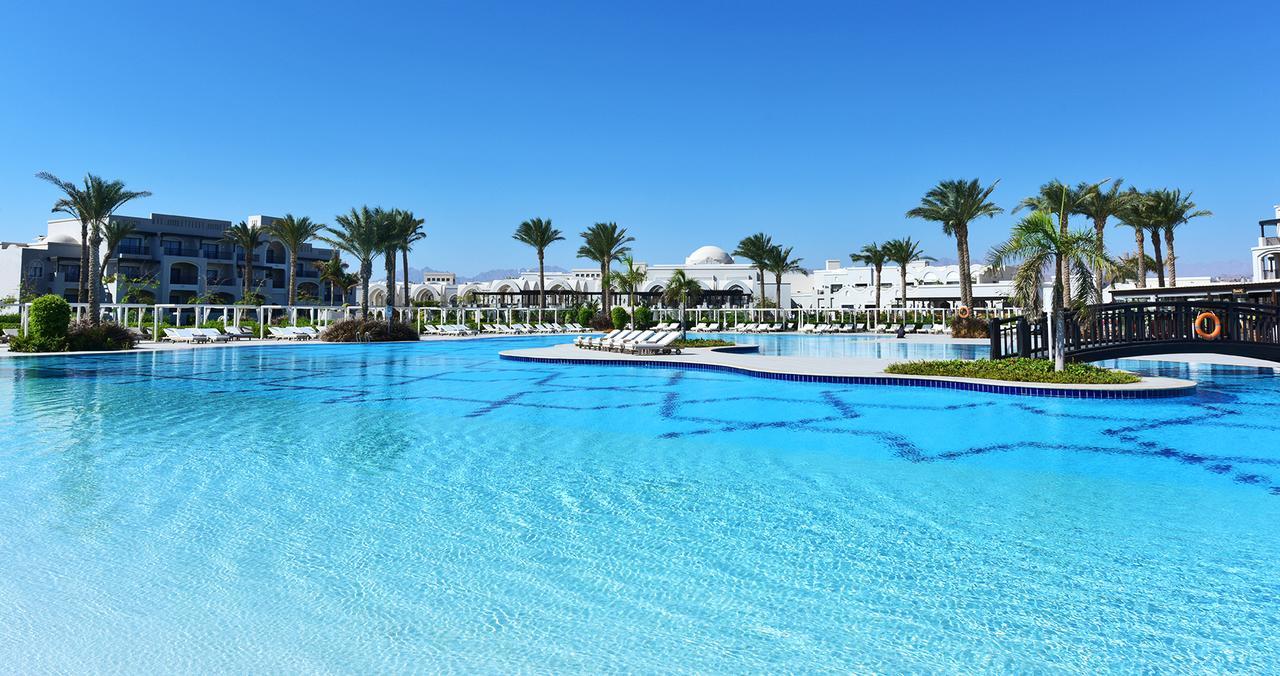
x=1116 y=330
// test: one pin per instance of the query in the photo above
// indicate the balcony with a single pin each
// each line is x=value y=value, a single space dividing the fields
x=180 y=251
x=308 y=273
x=133 y=250
x=184 y=279
x=273 y=259
x=218 y=281
x=215 y=255
x=240 y=258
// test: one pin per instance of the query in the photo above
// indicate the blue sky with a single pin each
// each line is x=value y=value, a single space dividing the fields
x=687 y=122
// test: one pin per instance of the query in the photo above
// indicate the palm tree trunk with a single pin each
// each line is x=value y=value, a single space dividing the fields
x=1155 y=253
x=1100 y=229
x=542 y=281
x=760 y=287
x=1140 y=236
x=1064 y=266
x=1059 y=324
x=389 y=263
x=292 y=295
x=366 y=271
x=404 y=258
x=95 y=277
x=962 y=252
x=876 y=281
x=777 y=280
x=604 y=288
x=1169 y=258
x=83 y=291
x=902 y=267
x=248 y=273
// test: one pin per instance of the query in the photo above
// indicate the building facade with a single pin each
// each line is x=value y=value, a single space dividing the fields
x=167 y=258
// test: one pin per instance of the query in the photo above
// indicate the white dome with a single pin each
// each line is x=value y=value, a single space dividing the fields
x=709 y=255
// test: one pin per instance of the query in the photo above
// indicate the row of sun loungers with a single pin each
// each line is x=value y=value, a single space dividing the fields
x=214 y=335
x=508 y=329
x=756 y=328
x=634 y=342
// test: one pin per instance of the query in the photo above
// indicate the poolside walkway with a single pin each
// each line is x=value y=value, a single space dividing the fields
x=852 y=370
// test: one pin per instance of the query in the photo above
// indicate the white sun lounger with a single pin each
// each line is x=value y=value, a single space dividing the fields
x=660 y=345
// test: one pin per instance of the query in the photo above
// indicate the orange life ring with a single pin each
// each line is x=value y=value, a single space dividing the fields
x=964 y=312
x=1207 y=335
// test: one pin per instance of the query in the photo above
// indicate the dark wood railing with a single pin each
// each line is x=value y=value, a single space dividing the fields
x=1117 y=330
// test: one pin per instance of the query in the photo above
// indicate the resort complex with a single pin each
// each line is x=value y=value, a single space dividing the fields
x=644 y=338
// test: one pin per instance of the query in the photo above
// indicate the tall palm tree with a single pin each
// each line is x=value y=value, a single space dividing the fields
x=1136 y=214
x=362 y=235
x=681 y=289
x=1036 y=243
x=293 y=232
x=903 y=252
x=955 y=204
x=631 y=278
x=755 y=248
x=1056 y=197
x=539 y=234
x=1169 y=210
x=113 y=233
x=1131 y=268
x=413 y=233
x=871 y=254
x=93 y=204
x=604 y=243
x=334 y=272
x=1103 y=205
x=248 y=238
x=780 y=262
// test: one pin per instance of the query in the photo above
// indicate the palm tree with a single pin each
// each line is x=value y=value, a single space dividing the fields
x=630 y=279
x=293 y=232
x=1131 y=268
x=780 y=262
x=1136 y=214
x=93 y=204
x=1170 y=209
x=681 y=289
x=1038 y=244
x=538 y=233
x=413 y=233
x=362 y=234
x=604 y=243
x=113 y=233
x=903 y=252
x=1056 y=197
x=955 y=204
x=1103 y=205
x=871 y=254
x=247 y=237
x=334 y=272
x=755 y=248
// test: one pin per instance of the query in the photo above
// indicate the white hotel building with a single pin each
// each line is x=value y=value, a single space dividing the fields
x=726 y=283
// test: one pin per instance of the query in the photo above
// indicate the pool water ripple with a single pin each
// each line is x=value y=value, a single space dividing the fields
x=412 y=507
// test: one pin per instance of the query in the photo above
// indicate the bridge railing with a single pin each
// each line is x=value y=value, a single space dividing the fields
x=1019 y=337
x=1117 y=329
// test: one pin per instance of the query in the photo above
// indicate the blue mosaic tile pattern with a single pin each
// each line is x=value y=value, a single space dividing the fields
x=372 y=509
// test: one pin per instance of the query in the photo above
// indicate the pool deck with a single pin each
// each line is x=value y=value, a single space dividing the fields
x=846 y=370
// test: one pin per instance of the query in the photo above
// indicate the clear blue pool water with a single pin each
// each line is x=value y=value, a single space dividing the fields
x=430 y=507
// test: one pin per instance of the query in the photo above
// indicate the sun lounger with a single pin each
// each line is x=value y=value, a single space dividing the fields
x=807 y=328
x=617 y=344
x=592 y=342
x=213 y=335
x=663 y=344
x=237 y=333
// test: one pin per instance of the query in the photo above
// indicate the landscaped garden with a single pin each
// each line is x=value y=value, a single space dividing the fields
x=1015 y=369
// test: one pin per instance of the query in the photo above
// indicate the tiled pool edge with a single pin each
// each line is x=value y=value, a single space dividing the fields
x=1026 y=390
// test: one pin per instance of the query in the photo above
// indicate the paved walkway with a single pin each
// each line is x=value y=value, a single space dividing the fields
x=845 y=369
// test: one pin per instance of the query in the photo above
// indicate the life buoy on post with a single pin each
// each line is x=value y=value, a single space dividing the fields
x=1213 y=320
x=964 y=312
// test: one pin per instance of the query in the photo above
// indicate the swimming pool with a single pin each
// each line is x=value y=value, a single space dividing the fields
x=381 y=508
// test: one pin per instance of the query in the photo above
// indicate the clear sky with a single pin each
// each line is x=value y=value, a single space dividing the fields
x=689 y=123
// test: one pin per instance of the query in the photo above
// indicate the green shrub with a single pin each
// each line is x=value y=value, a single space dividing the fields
x=620 y=318
x=86 y=337
x=972 y=327
x=367 y=331
x=1015 y=369
x=703 y=342
x=49 y=317
x=601 y=322
x=643 y=317
x=585 y=315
